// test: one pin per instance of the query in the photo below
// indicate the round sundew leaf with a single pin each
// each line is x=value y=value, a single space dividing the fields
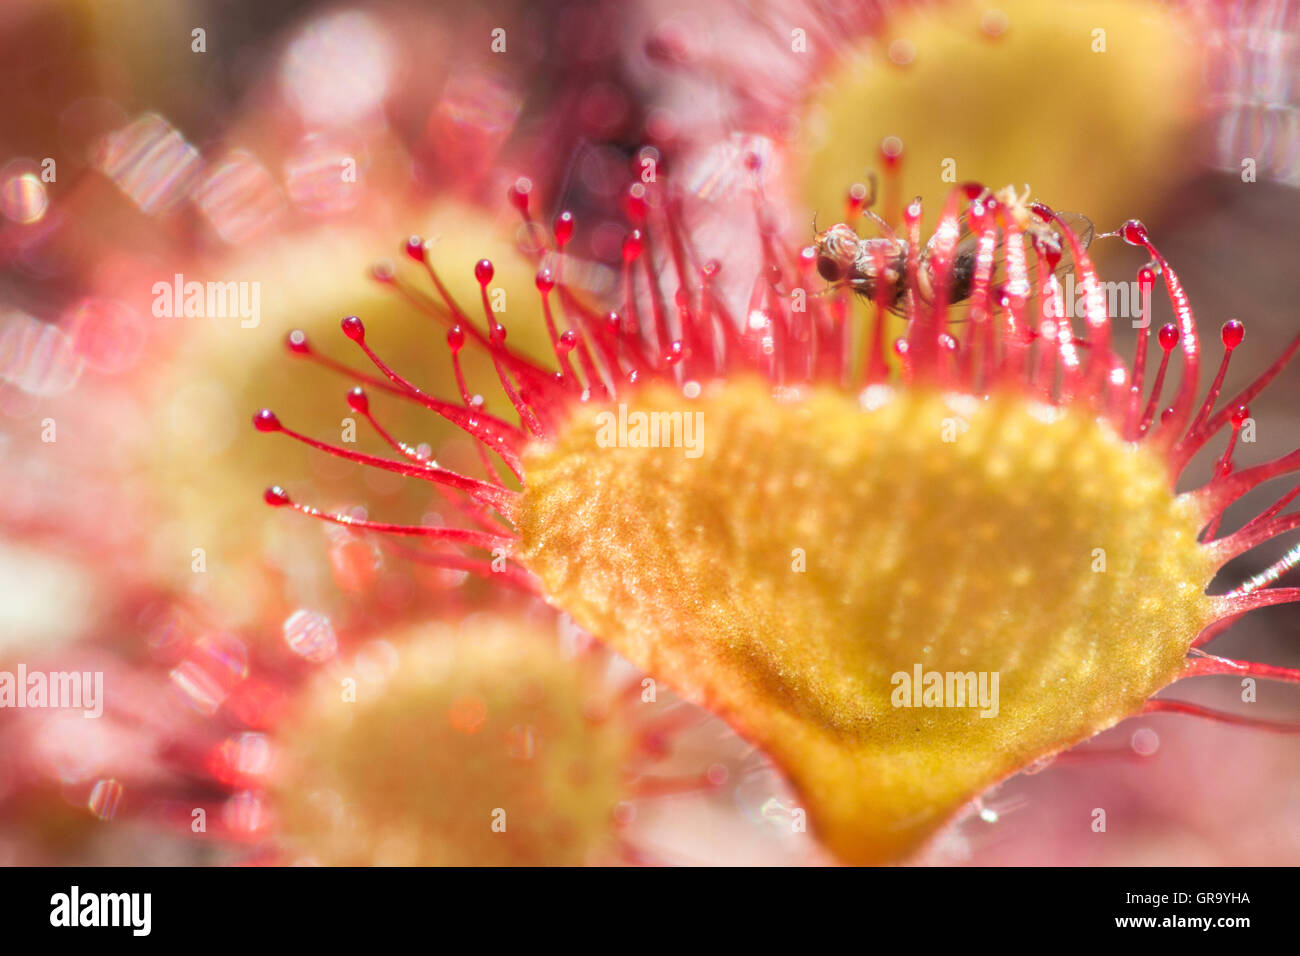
x=206 y=476
x=471 y=749
x=794 y=565
x=1027 y=96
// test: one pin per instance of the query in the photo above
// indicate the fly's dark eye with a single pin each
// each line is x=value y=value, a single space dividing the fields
x=829 y=269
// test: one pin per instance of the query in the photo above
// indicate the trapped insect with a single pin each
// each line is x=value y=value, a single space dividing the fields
x=876 y=268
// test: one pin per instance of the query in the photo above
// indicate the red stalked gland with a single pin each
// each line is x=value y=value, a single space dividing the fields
x=353 y=328
x=266 y=421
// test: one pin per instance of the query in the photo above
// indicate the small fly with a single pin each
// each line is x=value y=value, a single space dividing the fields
x=877 y=267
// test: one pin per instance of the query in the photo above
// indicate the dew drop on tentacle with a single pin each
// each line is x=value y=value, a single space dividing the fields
x=635 y=205
x=518 y=194
x=854 y=202
x=1232 y=334
x=266 y=421
x=563 y=229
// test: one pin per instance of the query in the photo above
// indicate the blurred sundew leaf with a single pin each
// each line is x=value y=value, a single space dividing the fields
x=209 y=466
x=1092 y=104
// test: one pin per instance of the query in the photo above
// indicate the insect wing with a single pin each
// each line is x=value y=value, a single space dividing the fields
x=1082 y=228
